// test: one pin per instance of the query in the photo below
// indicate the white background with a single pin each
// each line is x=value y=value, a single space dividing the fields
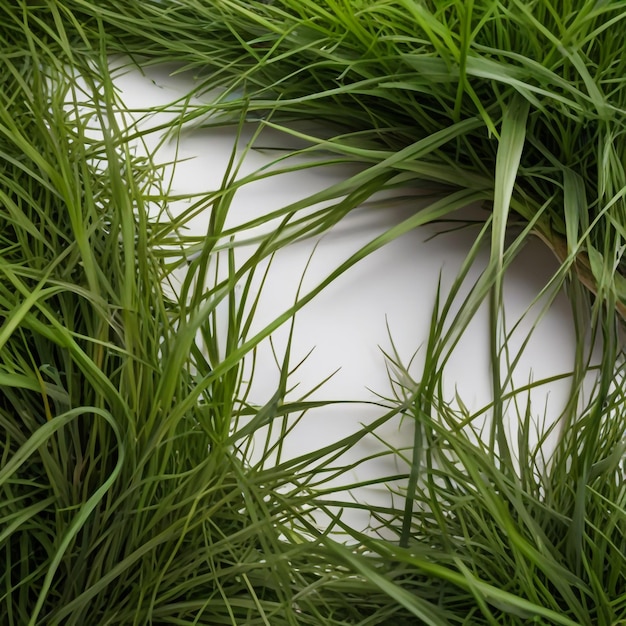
x=388 y=296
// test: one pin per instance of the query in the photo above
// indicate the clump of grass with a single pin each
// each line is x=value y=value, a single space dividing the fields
x=508 y=535
x=128 y=494
x=125 y=498
x=396 y=72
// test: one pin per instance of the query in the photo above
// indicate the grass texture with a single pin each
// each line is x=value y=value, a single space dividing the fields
x=128 y=490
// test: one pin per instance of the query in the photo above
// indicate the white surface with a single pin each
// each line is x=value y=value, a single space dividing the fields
x=388 y=296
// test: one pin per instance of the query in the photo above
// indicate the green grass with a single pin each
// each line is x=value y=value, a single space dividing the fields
x=129 y=493
x=393 y=73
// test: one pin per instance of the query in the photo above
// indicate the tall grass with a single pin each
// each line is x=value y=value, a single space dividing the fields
x=123 y=497
x=129 y=495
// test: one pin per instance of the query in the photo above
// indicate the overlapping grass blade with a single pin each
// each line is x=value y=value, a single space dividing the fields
x=156 y=514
